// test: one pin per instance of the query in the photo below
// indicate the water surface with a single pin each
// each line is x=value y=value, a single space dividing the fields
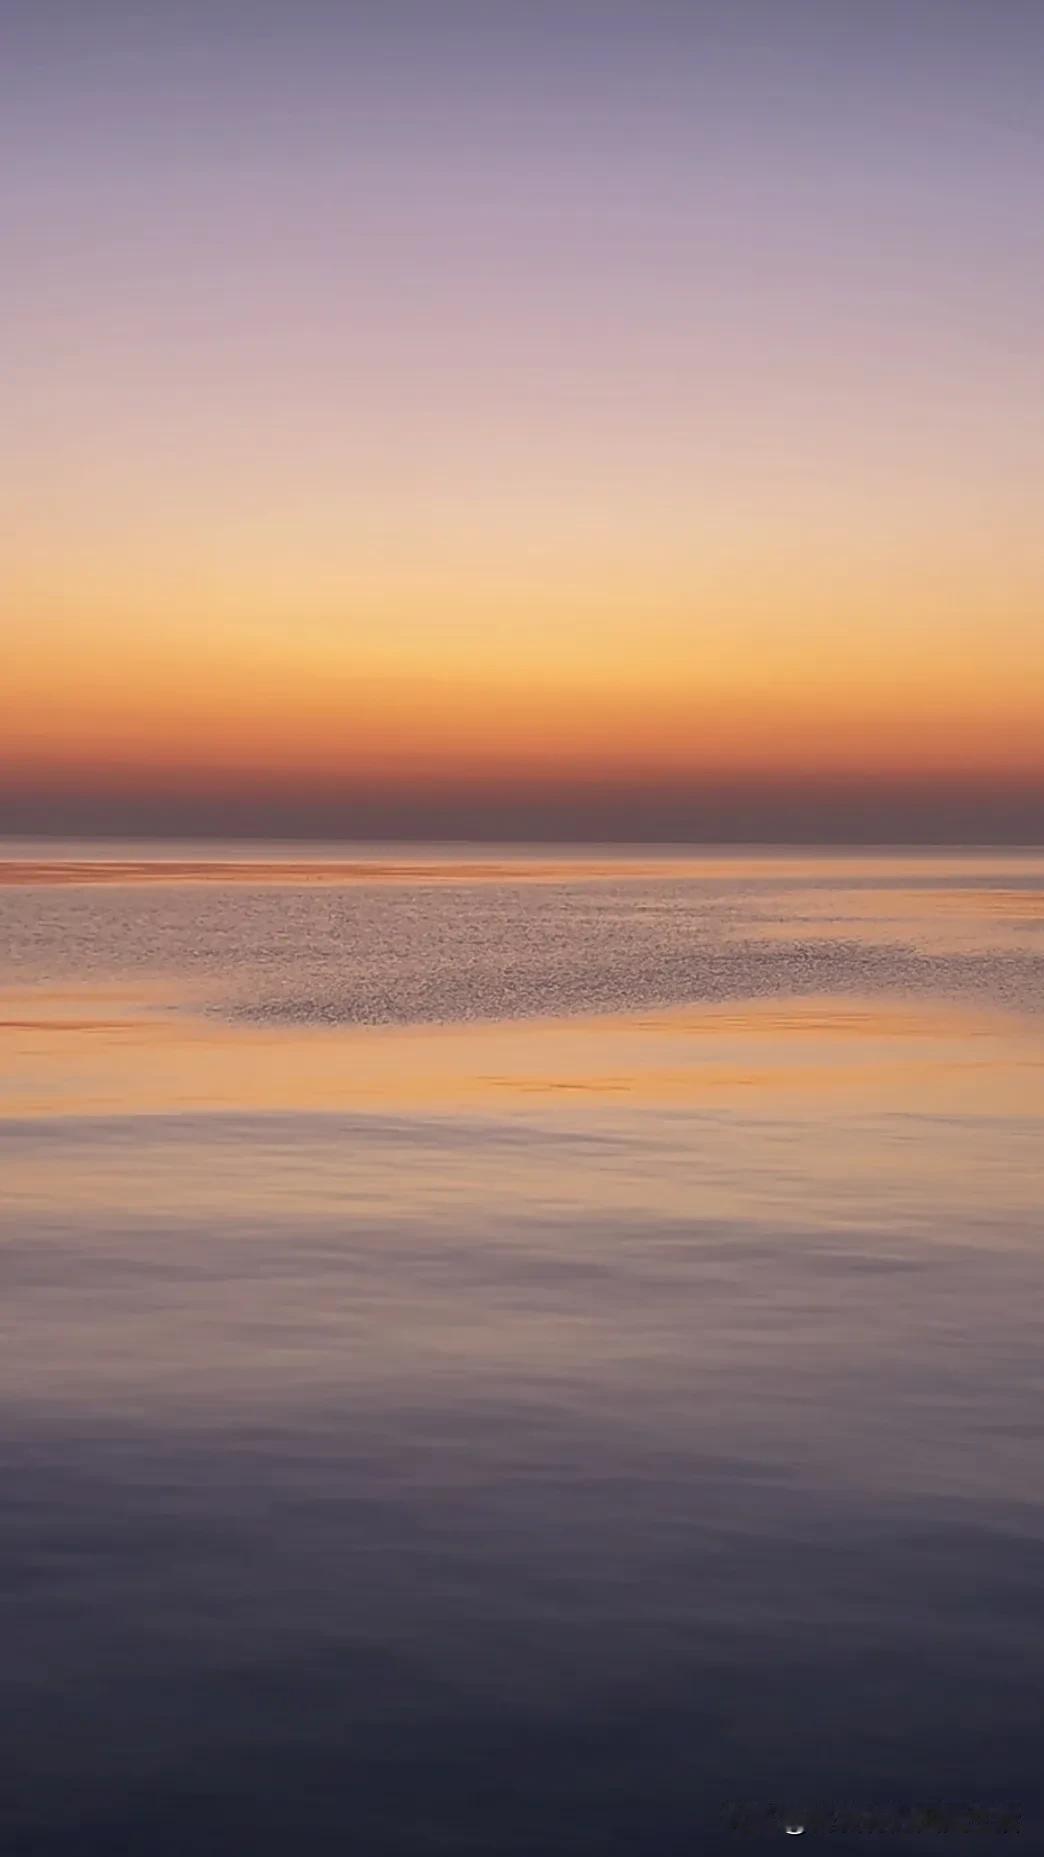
x=512 y=1351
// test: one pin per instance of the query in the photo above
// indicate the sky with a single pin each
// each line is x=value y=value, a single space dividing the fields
x=615 y=419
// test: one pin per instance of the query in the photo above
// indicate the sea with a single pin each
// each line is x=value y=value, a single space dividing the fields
x=511 y=1351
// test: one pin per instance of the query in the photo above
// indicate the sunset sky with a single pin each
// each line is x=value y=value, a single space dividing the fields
x=616 y=419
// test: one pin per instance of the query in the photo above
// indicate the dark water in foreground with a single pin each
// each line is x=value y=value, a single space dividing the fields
x=512 y=1361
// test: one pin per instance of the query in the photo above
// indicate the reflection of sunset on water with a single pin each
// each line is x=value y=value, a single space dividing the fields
x=818 y=1056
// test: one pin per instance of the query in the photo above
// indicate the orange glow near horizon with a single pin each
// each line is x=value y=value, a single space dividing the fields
x=648 y=700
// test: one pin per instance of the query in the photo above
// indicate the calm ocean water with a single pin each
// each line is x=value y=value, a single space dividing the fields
x=518 y=1352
